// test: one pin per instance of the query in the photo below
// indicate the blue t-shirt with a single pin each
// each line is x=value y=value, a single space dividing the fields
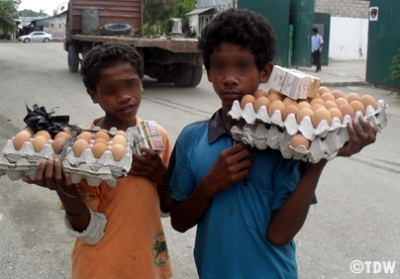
x=231 y=238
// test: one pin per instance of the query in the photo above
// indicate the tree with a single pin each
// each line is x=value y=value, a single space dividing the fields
x=30 y=13
x=156 y=11
x=7 y=8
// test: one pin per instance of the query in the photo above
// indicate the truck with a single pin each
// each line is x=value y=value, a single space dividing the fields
x=167 y=59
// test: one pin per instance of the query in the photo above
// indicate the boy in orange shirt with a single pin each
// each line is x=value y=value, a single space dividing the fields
x=118 y=229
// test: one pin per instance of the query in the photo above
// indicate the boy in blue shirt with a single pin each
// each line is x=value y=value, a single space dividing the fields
x=247 y=204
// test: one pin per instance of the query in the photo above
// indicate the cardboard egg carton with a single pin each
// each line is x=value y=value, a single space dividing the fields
x=27 y=151
x=306 y=127
x=96 y=170
x=18 y=169
x=263 y=135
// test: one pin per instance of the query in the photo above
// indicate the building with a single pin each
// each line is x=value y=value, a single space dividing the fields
x=54 y=25
x=205 y=12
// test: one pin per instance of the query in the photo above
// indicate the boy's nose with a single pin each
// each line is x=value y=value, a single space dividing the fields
x=123 y=98
x=230 y=79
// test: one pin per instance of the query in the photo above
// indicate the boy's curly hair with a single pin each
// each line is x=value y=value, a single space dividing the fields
x=108 y=55
x=241 y=27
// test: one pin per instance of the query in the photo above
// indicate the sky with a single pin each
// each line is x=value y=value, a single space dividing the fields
x=47 y=5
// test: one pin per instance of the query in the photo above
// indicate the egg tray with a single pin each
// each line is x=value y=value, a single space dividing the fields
x=18 y=169
x=291 y=126
x=262 y=136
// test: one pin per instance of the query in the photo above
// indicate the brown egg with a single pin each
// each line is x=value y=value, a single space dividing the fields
x=341 y=101
x=58 y=143
x=291 y=109
x=368 y=100
x=303 y=100
x=302 y=105
x=353 y=97
x=19 y=140
x=122 y=133
x=98 y=149
x=103 y=135
x=323 y=89
x=289 y=102
x=303 y=113
x=346 y=109
x=298 y=140
x=335 y=112
x=87 y=136
x=43 y=133
x=261 y=101
x=319 y=115
x=274 y=95
x=358 y=106
x=338 y=94
x=260 y=93
x=38 y=142
x=274 y=106
x=101 y=140
x=317 y=95
x=118 y=139
x=330 y=104
x=318 y=101
x=28 y=131
x=328 y=97
x=118 y=151
x=79 y=146
x=316 y=106
x=64 y=135
x=247 y=99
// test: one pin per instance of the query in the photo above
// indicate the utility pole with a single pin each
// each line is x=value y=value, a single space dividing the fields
x=234 y=4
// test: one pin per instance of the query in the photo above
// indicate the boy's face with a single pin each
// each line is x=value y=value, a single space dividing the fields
x=119 y=92
x=234 y=73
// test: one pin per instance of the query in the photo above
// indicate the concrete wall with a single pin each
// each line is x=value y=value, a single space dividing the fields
x=343 y=8
x=348 y=38
x=56 y=26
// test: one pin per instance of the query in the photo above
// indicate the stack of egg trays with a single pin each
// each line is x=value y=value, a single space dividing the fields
x=262 y=131
x=95 y=171
x=17 y=163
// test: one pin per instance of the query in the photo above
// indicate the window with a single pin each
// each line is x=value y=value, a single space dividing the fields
x=60 y=25
x=52 y=25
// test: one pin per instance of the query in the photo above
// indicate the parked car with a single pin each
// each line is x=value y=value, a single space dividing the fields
x=37 y=36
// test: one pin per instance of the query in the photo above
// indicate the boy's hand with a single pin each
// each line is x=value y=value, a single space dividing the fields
x=149 y=165
x=359 y=137
x=233 y=164
x=49 y=175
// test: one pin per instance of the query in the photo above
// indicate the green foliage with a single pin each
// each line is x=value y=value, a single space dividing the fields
x=166 y=27
x=394 y=72
x=30 y=13
x=7 y=9
x=158 y=10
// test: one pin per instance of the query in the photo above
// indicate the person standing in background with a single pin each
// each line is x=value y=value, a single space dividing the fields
x=316 y=47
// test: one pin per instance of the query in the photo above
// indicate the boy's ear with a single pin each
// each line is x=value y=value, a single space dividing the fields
x=266 y=72
x=92 y=95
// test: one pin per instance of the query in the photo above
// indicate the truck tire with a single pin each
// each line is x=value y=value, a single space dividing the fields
x=116 y=29
x=73 y=59
x=183 y=75
x=197 y=73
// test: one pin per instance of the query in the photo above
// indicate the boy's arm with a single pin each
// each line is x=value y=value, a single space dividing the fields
x=287 y=221
x=49 y=175
x=232 y=165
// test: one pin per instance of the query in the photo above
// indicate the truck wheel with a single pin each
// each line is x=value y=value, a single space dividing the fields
x=73 y=59
x=197 y=73
x=115 y=29
x=183 y=75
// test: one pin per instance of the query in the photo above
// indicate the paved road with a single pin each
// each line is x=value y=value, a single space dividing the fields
x=357 y=217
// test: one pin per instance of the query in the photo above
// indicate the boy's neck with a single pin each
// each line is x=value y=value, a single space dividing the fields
x=230 y=122
x=108 y=122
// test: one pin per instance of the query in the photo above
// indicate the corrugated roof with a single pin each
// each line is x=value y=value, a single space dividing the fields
x=200 y=11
